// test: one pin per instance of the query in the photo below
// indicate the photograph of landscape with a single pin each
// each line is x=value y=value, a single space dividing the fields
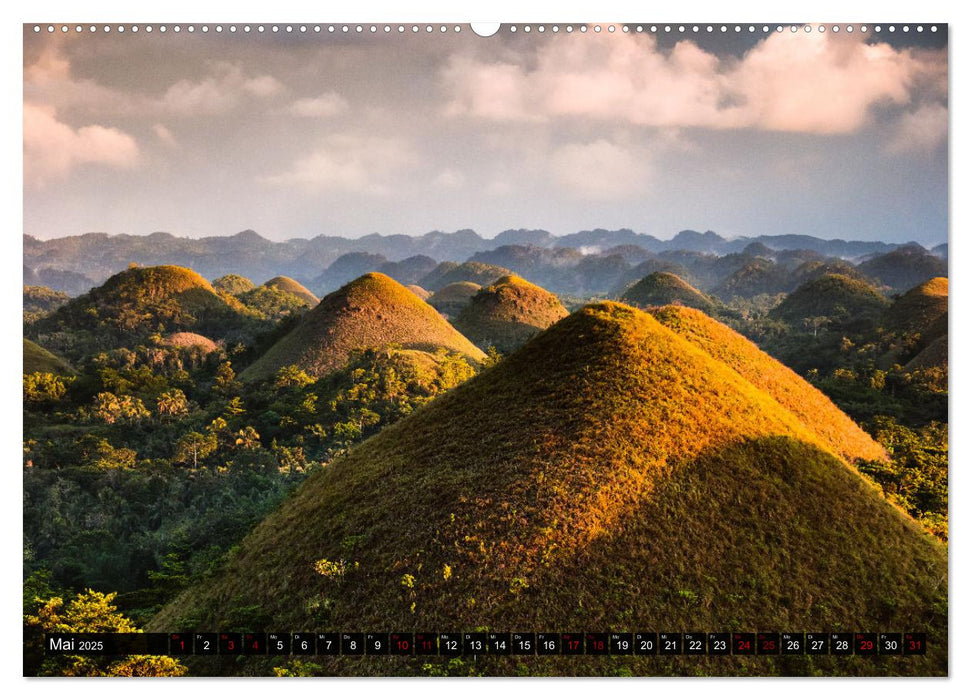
x=553 y=352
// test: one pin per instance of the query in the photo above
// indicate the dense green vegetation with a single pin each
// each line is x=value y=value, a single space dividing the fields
x=144 y=469
x=40 y=301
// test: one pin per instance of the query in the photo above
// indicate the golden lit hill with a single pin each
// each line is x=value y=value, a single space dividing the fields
x=833 y=297
x=608 y=475
x=841 y=435
x=189 y=340
x=452 y=298
x=372 y=311
x=447 y=272
x=37 y=359
x=138 y=302
x=506 y=314
x=922 y=309
x=291 y=286
x=419 y=292
x=663 y=288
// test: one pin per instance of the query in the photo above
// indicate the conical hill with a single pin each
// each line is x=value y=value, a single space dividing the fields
x=371 y=311
x=507 y=313
x=608 y=476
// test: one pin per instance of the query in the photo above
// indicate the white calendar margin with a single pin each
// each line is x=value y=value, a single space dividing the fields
x=562 y=11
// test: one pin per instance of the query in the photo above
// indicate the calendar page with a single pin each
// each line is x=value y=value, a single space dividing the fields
x=519 y=349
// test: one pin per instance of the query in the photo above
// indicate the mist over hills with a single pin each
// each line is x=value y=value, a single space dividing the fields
x=74 y=264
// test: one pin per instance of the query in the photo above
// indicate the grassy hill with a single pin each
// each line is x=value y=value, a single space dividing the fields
x=609 y=475
x=841 y=435
x=922 y=309
x=189 y=340
x=139 y=302
x=291 y=286
x=419 y=292
x=37 y=359
x=233 y=284
x=831 y=296
x=934 y=354
x=452 y=298
x=663 y=288
x=506 y=314
x=446 y=273
x=372 y=311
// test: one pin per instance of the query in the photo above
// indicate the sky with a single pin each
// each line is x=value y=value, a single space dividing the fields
x=837 y=135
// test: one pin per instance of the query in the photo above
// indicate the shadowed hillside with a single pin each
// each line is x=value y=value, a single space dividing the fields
x=506 y=314
x=922 y=310
x=609 y=475
x=447 y=273
x=904 y=267
x=372 y=311
x=663 y=288
x=37 y=359
x=833 y=297
x=452 y=298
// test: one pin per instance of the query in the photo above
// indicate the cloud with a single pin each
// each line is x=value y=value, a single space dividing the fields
x=348 y=163
x=330 y=104
x=221 y=91
x=52 y=149
x=920 y=131
x=449 y=179
x=810 y=83
x=165 y=136
x=600 y=170
x=221 y=87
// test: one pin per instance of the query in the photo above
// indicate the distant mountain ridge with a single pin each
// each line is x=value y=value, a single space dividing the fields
x=75 y=263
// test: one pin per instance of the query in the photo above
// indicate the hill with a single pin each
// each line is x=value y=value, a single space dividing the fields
x=922 y=310
x=452 y=298
x=136 y=303
x=233 y=284
x=663 y=288
x=189 y=340
x=291 y=286
x=934 y=355
x=372 y=311
x=347 y=267
x=836 y=297
x=419 y=292
x=409 y=270
x=37 y=359
x=904 y=267
x=842 y=436
x=506 y=314
x=760 y=276
x=447 y=273
x=609 y=475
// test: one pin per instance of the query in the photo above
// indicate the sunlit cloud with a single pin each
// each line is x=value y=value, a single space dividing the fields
x=52 y=148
